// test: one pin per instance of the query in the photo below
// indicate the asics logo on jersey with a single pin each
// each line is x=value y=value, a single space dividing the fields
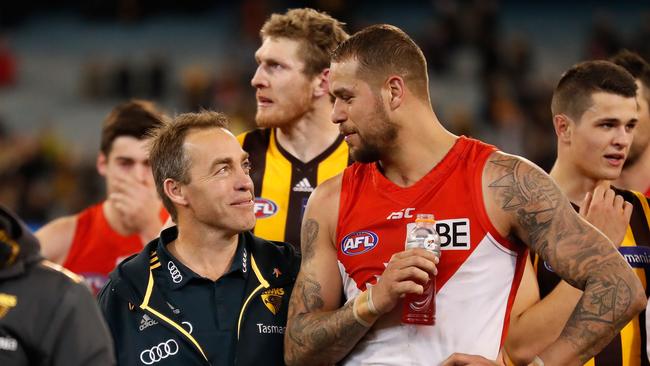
x=146 y=322
x=264 y=208
x=174 y=272
x=405 y=213
x=159 y=352
x=303 y=186
x=359 y=242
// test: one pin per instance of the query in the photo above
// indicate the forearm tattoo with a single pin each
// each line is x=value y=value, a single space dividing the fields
x=575 y=251
x=314 y=336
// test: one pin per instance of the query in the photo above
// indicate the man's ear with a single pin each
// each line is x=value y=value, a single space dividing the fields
x=101 y=164
x=174 y=191
x=396 y=90
x=321 y=83
x=563 y=127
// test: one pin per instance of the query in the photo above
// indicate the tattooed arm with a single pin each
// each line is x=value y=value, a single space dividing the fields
x=319 y=330
x=525 y=203
x=535 y=323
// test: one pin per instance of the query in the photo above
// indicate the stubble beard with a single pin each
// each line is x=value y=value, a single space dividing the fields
x=279 y=116
x=380 y=141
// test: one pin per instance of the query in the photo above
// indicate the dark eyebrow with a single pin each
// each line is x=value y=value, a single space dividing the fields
x=124 y=158
x=219 y=161
x=616 y=120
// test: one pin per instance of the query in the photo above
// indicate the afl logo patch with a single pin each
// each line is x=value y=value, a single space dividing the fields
x=264 y=208
x=359 y=242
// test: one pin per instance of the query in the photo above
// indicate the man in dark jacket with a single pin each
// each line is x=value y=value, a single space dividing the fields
x=47 y=316
x=207 y=292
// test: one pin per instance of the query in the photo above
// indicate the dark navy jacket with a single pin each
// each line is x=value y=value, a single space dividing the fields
x=131 y=297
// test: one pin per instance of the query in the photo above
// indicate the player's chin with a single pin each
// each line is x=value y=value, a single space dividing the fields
x=247 y=223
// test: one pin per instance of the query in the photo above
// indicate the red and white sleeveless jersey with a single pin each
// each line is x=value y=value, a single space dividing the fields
x=478 y=273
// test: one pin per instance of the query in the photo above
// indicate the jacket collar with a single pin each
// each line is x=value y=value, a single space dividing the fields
x=180 y=274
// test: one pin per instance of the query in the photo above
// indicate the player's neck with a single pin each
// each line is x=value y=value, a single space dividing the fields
x=312 y=134
x=637 y=176
x=115 y=219
x=205 y=251
x=421 y=144
x=573 y=183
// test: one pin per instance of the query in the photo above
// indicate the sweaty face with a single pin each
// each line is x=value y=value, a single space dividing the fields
x=284 y=93
x=600 y=140
x=361 y=114
x=128 y=160
x=642 y=130
x=220 y=192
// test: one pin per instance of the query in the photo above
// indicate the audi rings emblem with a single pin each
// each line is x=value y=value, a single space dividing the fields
x=159 y=352
x=174 y=272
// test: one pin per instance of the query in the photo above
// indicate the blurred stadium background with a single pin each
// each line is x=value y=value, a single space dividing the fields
x=64 y=64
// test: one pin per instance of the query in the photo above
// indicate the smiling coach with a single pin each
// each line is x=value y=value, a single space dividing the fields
x=207 y=292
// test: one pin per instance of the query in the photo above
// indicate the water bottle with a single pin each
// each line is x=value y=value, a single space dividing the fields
x=421 y=309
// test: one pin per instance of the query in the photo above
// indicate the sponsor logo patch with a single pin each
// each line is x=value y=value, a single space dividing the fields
x=177 y=277
x=264 y=208
x=303 y=186
x=272 y=299
x=636 y=257
x=405 y=213
x=8 y=343
x=359 y=242
x=270 y=329
x=454 y=233
x=146 y=322
x=159 y=352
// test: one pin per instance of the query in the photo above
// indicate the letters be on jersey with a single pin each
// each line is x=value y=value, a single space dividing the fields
x=454 y=233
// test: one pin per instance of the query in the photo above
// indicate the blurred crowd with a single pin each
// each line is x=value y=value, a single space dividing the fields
x=43 y=177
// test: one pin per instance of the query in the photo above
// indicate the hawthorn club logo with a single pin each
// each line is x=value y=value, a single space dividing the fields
x=272 y=299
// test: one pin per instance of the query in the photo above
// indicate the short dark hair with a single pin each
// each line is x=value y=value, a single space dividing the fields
x=635 y=65
x=134 y=118
x=317 y=32
x=167 y=155
x=572 y=96
x=382 y=50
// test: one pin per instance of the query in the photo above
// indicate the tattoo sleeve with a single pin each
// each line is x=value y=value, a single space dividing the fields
x=316 y=336
x=546 y=222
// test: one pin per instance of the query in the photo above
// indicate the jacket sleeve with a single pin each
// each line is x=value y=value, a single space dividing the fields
x=77 y=334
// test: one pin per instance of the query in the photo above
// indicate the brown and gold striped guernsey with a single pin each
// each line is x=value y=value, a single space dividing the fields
x=628 y=348
x=283 y=183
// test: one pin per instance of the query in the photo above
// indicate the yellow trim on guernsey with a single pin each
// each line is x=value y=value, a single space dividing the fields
x=263 y=284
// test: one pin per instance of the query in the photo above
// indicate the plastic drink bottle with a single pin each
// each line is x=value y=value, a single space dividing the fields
x=421 y=309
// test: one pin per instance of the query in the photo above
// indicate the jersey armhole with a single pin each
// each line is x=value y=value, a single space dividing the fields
x=479 y=204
